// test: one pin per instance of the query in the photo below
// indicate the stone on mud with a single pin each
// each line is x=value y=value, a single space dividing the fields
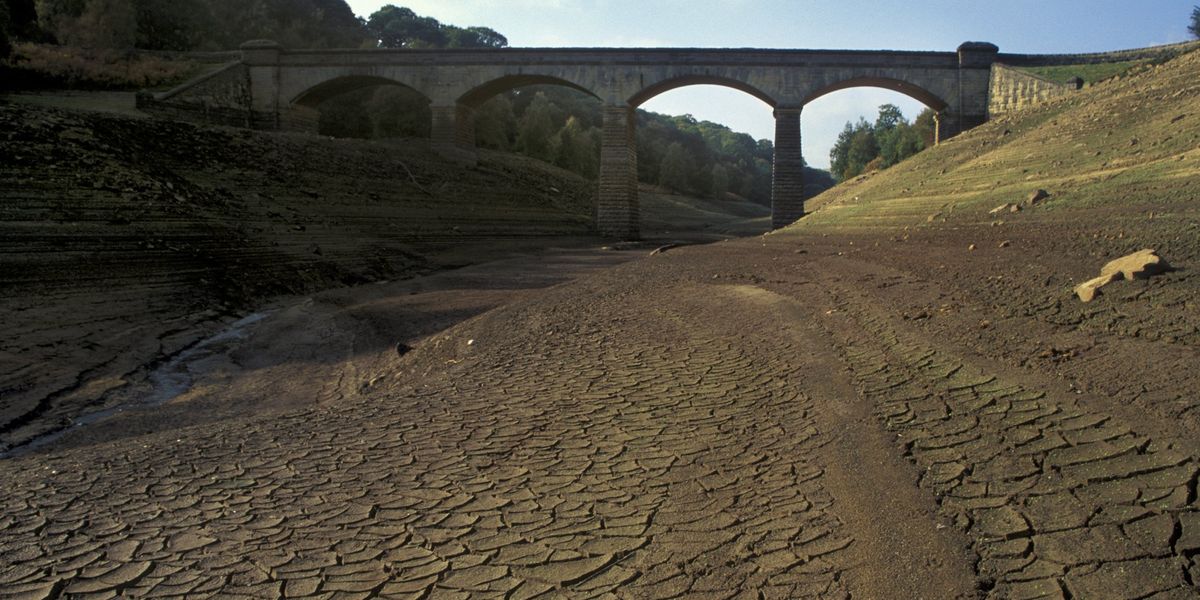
x=1142 y=264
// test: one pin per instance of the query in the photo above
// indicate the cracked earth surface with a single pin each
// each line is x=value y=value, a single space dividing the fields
x=757 y=419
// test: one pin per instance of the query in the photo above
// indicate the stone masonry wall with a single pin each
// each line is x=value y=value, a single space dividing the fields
x=1012 y=89
x=219 y=98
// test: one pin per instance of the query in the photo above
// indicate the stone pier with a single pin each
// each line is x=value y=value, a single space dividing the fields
x=787 y=174
x=617 y=213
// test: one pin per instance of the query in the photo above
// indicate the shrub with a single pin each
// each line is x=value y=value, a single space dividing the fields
x=41 y=65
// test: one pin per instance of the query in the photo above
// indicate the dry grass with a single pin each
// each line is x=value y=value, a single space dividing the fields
x=43 y=65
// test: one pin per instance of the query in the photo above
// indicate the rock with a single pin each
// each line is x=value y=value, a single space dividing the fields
x=1088 y=290
x=663 y=249
x=971 y=247
x=1005 y=244
x=1139 y=265
x=1142 y=264
x=1003 y=208
x=1036 y=197
x=402 y=348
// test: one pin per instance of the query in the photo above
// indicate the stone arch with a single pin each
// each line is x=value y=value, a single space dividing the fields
x=485 y=91
x=314 y=95
x=666 y=85
x=914 y=91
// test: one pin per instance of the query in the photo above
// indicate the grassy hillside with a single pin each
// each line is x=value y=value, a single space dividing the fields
x=668 y=214
x=1127 y=144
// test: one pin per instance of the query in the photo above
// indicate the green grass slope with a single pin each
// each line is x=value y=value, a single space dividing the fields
x=1130 y=145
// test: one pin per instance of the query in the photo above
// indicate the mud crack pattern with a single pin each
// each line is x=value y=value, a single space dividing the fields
x=653 y=470
x=1060 y=501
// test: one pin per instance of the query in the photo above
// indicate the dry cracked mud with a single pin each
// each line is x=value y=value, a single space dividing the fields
x=737 y=420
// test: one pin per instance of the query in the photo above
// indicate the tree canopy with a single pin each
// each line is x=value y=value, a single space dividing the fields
x=865 y=146
x=194 y=24
x=398 y=27
x=1195 y=25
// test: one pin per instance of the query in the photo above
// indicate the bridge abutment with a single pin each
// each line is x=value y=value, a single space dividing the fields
x=617 y=214
x=787 y=173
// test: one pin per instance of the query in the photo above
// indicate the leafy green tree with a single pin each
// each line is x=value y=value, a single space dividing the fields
x=889 y=140
x=5 y=26
x=889 y=118
x=863 y=148
x=346 y=116
x=720 y=182
x=578 y=149
x=1194 y=28
x=173 y=24
x=398 y=112
x=399 y=27
x=22 y=18
x=673 y=171
x=105 y=24
x=536 y=128
x=496 y=123
x=839 y=155
x=473 y=37
x=926 y=127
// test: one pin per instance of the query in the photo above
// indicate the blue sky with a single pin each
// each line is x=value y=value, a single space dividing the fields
x=1032 y=26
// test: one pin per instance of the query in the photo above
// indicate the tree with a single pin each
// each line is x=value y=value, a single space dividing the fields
x=398 y=112
x=839 y=155
x=578 y=149
x=720 y=182
x=22 y=15
x=106 y=24
x=496 y=123
x=1195 y=26
x=473 y=37
x=926 y=127
x=863 y=148
x=535 y=129
x=5 y=25
x=398 y=27
x=673 y=171
x=889 y=117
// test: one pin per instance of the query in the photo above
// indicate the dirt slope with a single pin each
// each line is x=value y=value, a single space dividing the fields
x=123 y=240
x=860 y=406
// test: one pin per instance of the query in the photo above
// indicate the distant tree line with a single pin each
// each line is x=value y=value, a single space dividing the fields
x=865 y=146
x=1194 y=28
x=184 y=25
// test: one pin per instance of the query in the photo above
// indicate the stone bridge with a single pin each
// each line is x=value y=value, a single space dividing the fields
x=274 y=88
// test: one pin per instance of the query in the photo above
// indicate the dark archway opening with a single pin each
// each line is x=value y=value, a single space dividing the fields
x=546 y=118
x=368 y=108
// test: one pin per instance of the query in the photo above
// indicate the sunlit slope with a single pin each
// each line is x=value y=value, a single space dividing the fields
x=1125 y=143
x=665 y=214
